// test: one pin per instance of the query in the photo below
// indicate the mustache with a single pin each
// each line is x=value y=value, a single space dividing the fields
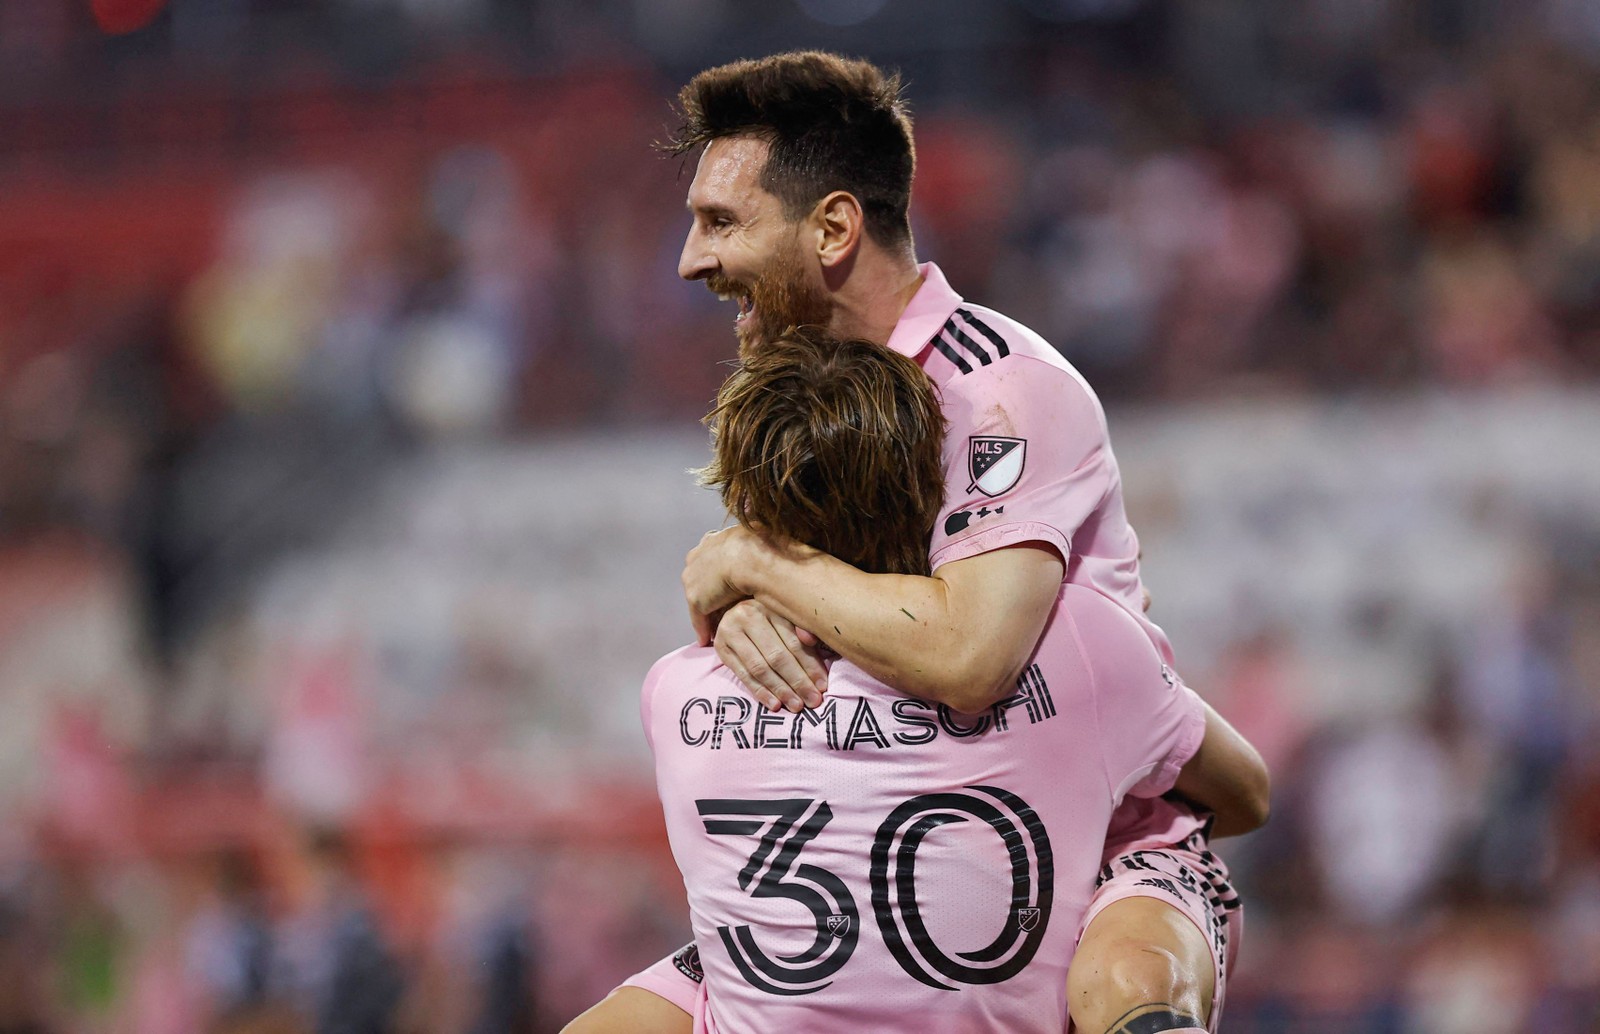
x=719 y=284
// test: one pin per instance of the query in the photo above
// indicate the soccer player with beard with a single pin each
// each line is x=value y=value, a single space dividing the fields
x=799 y=211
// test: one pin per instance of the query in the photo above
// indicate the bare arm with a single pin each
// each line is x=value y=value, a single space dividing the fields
x=632 y=1010
x=958 y=638
x=1227 y=777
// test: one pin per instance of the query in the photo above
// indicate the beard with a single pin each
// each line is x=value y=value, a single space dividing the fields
x=781 y=298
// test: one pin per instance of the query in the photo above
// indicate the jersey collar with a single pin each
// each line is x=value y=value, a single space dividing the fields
x=925 y=316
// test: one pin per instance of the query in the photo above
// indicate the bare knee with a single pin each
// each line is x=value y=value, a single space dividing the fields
x=1136 y=960
x=1122 y=976
x=1146 y=973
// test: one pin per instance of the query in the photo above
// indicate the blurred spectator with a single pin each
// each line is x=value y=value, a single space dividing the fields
x=229 y=940
x=334 y=954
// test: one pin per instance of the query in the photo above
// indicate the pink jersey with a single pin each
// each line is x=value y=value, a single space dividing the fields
x=884 y=863
x=1027 y=456
x=1028 y=459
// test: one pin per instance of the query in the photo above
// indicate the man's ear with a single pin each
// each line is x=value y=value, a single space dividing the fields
x=839 y=224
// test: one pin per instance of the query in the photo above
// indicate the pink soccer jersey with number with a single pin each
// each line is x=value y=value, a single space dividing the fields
x=882 y=863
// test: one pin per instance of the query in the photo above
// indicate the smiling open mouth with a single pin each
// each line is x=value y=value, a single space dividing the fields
x=747 y=304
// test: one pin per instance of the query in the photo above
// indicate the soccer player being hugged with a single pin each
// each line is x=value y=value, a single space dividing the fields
x=799 y=212
x=881 y=862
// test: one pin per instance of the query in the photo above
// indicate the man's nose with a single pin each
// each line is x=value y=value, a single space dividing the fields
x=696 y=262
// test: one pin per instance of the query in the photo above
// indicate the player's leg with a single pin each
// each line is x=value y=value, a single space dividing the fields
x=632 y=1010
x=1142 y=966
x=1160 y=940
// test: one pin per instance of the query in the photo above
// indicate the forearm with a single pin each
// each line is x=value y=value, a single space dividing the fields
x=913 y=633
x=1227 y=777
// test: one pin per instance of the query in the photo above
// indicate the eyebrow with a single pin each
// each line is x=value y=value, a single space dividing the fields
x=710 y=210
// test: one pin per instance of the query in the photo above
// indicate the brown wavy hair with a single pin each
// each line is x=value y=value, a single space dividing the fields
x=835 y=444
x=833 y=123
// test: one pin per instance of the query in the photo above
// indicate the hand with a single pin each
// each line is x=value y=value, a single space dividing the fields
x=771 y=657
x=708 y=573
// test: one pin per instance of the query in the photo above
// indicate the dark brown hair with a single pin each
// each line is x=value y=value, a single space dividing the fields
x=833 y=123
x=835 y=444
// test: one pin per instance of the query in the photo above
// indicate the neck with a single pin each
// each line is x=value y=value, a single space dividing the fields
x=871 y=300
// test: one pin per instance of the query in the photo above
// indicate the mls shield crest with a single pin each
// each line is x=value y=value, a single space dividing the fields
x=995 y=464
x=1027 y=919
x=838 y=925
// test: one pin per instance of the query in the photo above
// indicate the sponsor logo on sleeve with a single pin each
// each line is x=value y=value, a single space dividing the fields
x=995 y=464
x=958 y=521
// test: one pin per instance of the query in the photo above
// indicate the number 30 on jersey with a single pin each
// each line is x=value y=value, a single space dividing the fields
x=785 y=827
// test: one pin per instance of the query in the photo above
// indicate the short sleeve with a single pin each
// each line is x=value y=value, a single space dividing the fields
x=652 y=683
x=1150 y=723
x=676 y=978
x=1027 y=458
x=1181 y=724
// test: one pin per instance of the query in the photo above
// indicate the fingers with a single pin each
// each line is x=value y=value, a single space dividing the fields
x=704 y=627
x=746 y=661
x=762 y=695
x=805 y=655
x=705 y=582
x=766 y=655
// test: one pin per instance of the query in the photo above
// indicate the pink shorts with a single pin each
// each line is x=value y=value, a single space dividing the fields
x=1192 y=880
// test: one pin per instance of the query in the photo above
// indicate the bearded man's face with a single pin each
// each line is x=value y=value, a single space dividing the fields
x=745 y=248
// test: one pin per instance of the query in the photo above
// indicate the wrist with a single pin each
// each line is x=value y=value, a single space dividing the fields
x=767 y=563
x=751 y=570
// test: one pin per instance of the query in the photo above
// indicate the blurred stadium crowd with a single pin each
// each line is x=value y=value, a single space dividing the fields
x=346 y=388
